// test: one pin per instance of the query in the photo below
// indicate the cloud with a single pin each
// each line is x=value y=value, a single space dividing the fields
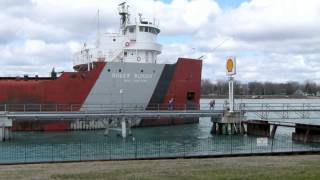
x=268 y=36
x=36 y=57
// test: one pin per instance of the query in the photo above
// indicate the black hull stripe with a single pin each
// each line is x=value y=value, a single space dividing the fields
x=162 y=85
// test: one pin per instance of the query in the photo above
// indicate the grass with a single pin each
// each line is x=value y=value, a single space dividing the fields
x=234 y=168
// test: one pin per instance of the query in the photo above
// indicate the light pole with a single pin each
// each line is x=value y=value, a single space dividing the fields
x=231 y=71
x=121 y=98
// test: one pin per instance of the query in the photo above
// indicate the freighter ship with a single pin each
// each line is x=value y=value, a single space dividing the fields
x=121 y=71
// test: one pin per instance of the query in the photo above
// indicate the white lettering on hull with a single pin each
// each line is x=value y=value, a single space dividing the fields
x=120 y=75
x=136 y=78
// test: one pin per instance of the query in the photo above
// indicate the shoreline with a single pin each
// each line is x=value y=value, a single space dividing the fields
x=259 y=97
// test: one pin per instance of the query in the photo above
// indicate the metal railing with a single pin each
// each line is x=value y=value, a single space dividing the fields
x=12 y=153
x=99 y=107
x=163 y=106
x=269 y=111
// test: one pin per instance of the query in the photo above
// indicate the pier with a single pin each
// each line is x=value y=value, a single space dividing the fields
x=269 y=118
x=122 y=119
x=108 y=117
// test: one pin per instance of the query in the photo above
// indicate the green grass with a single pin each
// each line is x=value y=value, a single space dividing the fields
x=221 y=173
x=236 y=168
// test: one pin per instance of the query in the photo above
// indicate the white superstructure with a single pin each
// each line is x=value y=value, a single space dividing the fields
x=135 y=42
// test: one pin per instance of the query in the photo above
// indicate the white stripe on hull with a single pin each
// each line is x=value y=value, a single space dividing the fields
x=137 y=81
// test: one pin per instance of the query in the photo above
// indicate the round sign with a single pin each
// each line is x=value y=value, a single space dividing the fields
x=229 y=65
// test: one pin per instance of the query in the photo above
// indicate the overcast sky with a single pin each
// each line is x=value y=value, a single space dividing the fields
x=273 y=40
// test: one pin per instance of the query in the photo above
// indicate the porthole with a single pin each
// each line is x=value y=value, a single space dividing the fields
x=114 y=40
x=141 y=71
x=109 y=70
x=120 y=70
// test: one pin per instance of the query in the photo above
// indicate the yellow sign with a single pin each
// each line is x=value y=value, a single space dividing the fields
x=229 y=65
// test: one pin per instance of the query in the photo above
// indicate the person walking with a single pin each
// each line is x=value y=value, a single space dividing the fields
x=170 y=104
x=212 y=103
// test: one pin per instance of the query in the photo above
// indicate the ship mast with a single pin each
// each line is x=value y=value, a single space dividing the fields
x=98 y=30
x=125 y=16
x=99 y=51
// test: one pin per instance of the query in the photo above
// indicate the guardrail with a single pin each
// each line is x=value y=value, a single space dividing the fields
x=162 y=106
x=98 y=107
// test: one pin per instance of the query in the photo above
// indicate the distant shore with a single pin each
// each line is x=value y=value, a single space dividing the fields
x=259 y=97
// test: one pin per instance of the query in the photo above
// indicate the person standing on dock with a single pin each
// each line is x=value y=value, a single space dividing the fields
x=212 y=103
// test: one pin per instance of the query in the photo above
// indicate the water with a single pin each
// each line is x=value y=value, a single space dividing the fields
x=167 y=141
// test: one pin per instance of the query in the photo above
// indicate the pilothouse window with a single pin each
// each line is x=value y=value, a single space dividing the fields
x=131 y=29
x=149 y=29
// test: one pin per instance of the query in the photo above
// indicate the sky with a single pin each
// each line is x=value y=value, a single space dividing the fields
x=272 y=40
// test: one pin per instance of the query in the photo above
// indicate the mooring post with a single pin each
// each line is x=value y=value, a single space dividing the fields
x=273 y=131
x=1 y=133
x=123 y=127
x=106 y=125
x=5 y=128
x=305 y=139
x=130 y=122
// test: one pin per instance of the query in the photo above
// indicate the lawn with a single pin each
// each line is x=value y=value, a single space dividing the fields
x=254 y=167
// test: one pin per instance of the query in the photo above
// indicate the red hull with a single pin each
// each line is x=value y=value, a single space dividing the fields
x=74 y=88
x=69 y=88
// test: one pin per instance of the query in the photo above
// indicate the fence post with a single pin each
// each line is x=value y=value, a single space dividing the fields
x=25 y=153
x=80 y=151
x=159 y=148
x=52 y=153
x=251 y=144
x=231 y=144
x=135 y=150
x=184 y=149
x=110 y=151
x=208 y=146
x=272 y=145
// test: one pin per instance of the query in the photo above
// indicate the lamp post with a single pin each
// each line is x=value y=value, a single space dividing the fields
x=121 y=98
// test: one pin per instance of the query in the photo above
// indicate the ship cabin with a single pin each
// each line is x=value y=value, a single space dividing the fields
x=136 y=42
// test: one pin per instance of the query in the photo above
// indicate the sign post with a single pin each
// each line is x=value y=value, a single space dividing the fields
x=231 y=71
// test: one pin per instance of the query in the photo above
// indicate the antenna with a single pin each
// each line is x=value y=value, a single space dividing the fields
x=98 y=30
x=227 y=39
